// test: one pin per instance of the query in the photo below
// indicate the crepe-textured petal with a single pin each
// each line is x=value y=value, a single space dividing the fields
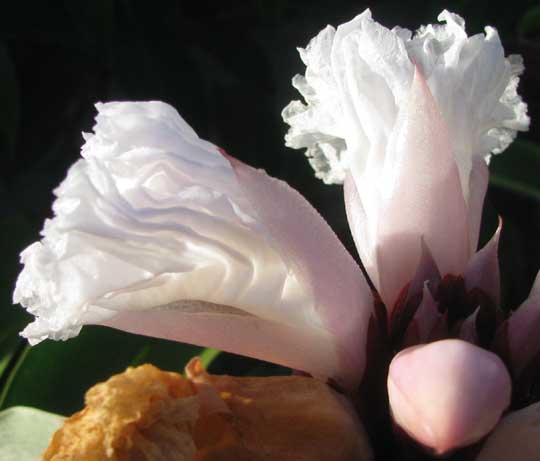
x=155 y=232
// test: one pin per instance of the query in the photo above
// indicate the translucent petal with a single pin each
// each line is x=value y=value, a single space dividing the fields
x=420 y=197
x=357 y=81
x=158 y=232
x=358 y=75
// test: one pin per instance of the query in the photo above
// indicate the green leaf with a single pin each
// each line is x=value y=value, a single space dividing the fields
x=25 y=433
x=15 y=235
x=8 y=382
x=8 y=348
x=517 y=169
x=208 y=356
x=10 y=343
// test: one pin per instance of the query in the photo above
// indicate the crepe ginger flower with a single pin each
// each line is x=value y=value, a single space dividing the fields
x=407 y=122
x=161 y=233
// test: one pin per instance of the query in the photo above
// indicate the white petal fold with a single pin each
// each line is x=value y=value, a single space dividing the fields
x=358 y=76
x=160 y=233
x=358 y=80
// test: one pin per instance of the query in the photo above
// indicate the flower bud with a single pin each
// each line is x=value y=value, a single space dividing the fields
x=447 y=394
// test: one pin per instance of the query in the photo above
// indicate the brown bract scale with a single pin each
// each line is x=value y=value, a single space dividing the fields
x=141 y=414
x=146 y=414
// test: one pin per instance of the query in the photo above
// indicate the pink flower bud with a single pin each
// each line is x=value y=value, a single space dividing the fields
x=447 y=394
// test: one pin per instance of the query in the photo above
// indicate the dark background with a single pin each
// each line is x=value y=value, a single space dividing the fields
x=226 y=67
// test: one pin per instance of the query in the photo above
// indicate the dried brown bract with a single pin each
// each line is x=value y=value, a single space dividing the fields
x=146 y=414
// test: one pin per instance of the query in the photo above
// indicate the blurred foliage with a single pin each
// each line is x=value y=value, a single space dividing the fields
x=54 y=375
x=518 y=169
x=529 y=24
x=227 y=67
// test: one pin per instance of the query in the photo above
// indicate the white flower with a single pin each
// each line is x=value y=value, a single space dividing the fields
x=358 y=76
x=361 y=105
x=160 y=233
